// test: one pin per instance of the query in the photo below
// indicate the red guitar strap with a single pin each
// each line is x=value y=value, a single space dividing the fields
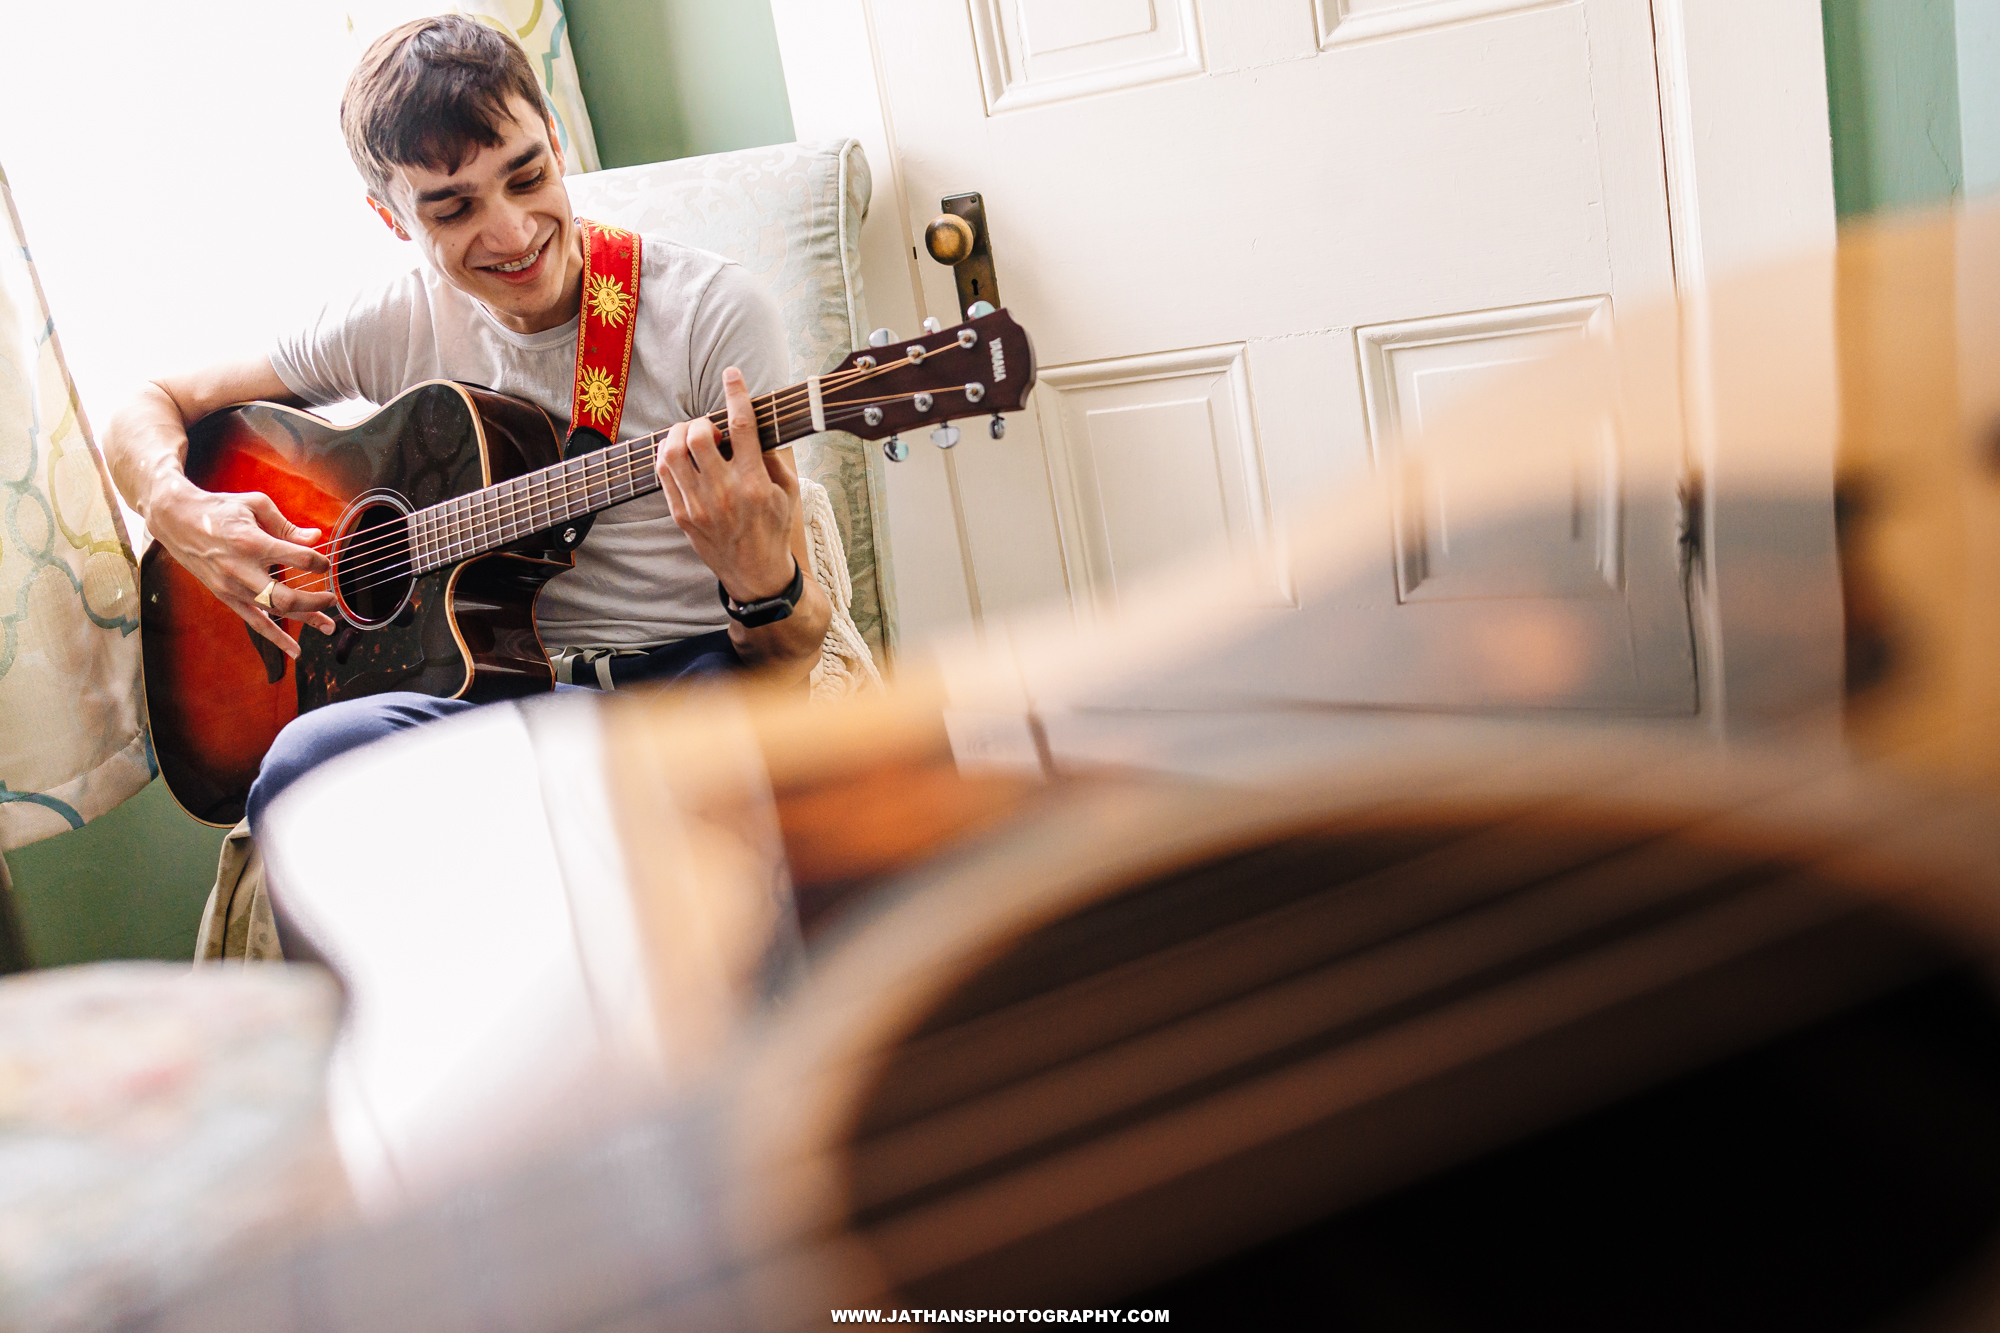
x=604 y=328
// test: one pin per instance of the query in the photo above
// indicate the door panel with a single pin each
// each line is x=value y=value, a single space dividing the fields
x=1360 y=20
x=1416 y=370
x=1037 y=51
x=1151 y=455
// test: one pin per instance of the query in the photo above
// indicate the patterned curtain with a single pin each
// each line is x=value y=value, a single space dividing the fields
x=540 y=26
x=72 y=712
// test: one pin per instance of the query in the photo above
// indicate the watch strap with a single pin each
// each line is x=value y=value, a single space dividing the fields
x=769 y=610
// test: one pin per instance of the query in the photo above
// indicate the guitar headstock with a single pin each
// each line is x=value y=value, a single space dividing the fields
x=982 y=367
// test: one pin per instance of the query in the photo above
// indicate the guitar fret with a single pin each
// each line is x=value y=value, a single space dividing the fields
x=612 y=469
x=513 y=509
x=563 y=509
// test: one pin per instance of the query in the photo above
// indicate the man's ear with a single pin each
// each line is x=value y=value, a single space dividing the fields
x=388 y=218
x=555 y=143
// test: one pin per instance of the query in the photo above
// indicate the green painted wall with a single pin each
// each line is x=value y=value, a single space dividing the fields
x=1892 y=96
x=675 y=78
x=129 y=884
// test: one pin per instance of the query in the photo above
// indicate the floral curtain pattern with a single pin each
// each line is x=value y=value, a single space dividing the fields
x=72 y=709
x=542 y=29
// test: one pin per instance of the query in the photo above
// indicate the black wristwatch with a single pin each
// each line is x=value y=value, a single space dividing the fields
x=769 y=611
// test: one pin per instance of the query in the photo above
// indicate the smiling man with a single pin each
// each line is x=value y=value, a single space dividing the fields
x=446 y=124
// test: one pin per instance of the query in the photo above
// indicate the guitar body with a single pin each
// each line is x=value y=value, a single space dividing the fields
x=218 y=694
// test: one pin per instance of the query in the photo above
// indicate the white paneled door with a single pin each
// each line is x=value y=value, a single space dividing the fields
x=1256 y=241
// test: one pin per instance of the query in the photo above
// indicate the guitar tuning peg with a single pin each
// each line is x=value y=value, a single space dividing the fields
x=894 y=449
x=979 y=310
x=997 y=427
x=932 y=324
x=944 y=437
x=881 y=337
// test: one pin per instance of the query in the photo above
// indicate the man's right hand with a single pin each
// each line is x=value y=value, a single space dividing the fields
x=233 y=543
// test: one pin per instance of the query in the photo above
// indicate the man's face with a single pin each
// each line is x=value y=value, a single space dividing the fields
x=499 y=228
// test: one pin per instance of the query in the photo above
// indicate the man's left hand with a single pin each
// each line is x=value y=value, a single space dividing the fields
x=737 y=511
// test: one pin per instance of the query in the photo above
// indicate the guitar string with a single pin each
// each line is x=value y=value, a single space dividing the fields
x=399 y=534
x=637 y=464
x=399 y=566
x=776 y=403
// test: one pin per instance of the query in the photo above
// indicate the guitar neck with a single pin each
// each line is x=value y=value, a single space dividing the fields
x=499 y=515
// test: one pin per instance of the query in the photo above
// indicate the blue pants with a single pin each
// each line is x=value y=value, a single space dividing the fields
x=311 y=739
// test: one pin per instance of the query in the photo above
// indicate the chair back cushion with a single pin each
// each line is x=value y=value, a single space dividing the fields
x=791 y=214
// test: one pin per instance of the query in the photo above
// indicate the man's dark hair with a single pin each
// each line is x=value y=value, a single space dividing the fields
x=430 y=94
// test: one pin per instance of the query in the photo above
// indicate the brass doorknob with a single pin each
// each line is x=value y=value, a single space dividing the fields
x=949 y=238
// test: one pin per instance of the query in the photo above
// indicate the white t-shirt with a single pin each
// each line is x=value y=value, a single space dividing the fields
x=637 y=581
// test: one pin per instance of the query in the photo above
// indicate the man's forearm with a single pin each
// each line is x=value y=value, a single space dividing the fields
x=145 y=441
x=145 y=447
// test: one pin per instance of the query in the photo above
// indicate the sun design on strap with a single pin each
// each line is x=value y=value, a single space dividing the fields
x=599 y=393
x=609 y=301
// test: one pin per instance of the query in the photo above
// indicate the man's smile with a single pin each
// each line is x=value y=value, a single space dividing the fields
x=524 y=269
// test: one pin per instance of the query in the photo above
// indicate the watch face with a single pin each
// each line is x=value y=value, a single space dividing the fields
x=763 y=613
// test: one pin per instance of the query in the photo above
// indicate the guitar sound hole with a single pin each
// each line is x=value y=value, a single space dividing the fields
x=372 y=575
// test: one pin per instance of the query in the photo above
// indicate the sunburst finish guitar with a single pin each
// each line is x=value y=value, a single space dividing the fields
x=446 y=511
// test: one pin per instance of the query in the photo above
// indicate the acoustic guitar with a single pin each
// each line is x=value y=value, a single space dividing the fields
x=446 y=511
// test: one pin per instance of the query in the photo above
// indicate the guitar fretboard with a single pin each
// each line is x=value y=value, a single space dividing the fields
x=499 y=515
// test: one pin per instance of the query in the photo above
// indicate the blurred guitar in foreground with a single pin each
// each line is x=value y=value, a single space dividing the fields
x=1384 y=1022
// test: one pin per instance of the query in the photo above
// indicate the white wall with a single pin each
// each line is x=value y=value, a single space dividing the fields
x=182 y=178
x=1979 y=93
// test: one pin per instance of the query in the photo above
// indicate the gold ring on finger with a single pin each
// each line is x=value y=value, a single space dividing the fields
x=263 y=598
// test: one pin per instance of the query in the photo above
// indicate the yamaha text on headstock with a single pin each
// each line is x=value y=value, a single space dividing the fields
x=445 y=513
